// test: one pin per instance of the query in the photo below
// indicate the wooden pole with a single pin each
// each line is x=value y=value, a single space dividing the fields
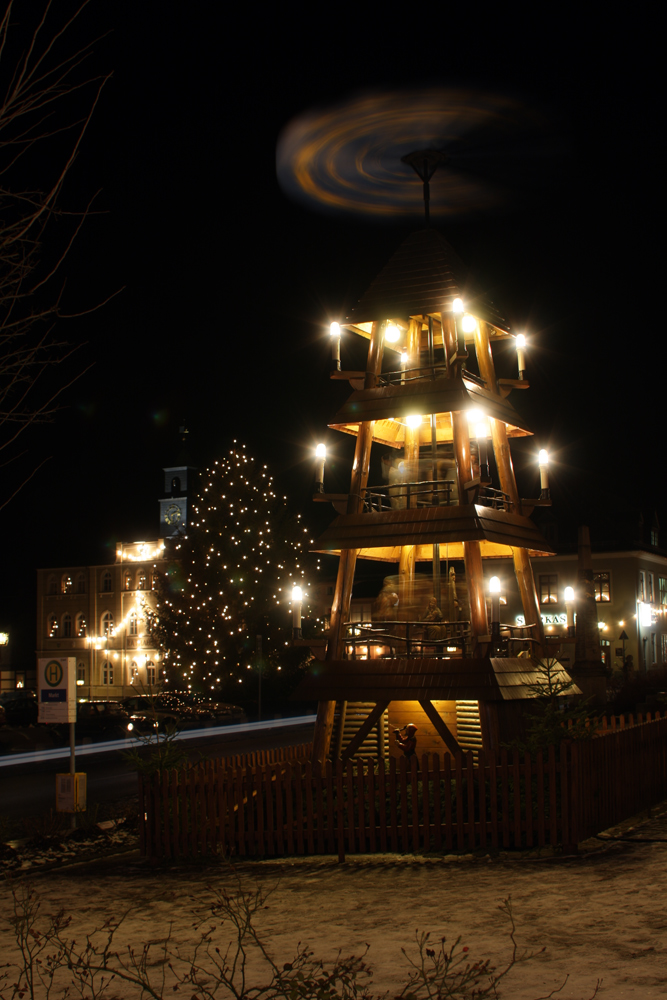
x=472 y=556
x=340 y=606
x=407 y=560
x=523 y=568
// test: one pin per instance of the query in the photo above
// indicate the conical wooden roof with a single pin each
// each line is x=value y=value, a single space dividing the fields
x=423 y=276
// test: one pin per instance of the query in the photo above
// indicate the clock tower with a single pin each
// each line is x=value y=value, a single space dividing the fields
x=174 y=504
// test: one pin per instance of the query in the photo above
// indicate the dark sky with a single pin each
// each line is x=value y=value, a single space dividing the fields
x=229 y=287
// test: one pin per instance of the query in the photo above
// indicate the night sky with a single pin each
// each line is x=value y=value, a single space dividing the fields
x=229 y=287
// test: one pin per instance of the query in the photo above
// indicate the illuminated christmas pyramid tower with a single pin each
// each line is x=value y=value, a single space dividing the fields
x=436 y=654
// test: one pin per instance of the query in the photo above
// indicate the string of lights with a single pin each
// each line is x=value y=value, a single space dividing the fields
x=230 y=580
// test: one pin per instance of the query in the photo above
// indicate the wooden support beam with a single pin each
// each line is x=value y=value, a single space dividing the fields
x=364 y=730
x=441 y=727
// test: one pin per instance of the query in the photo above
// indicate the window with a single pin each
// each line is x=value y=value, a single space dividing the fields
x=662 y=590
x=549 y=588
x=66 y=584
x=663 y=647
x=654 y=537
x=653 y=651
x=107 y=672
x=153 y=581
x=107 y=623
x=133 y=623
x=134 y=672
x=51 y=585
x=642 y=586
x=176 y=485
x=127 y=581
x=150 y=673
x=81 y=673
x=107 y=585
x=67 y=626
x=650 y=588
x=81 y=627
x=81 y=583
x=141 y=580
x=52 y=627
x=602 y=586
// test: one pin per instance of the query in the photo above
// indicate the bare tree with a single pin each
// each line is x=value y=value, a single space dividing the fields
x=48 y=94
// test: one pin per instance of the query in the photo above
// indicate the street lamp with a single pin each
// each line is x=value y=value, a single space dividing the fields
x=297 y=597
x=494 y=590
x=569 y=608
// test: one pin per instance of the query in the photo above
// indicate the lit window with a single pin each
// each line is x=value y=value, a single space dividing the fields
x=52 y=627
x=150 y=673
x=654 y=538
x=107 y=672
x=81 y=626
x=663 y=647
x=642 y=586
x=141 y=580
x=81 y=583
x=549 y=588
x=107 y=585
x=67 y=626
x=662 y=590
x=653 y=650
x=81 y=672
x=133 y=623
x=134 y=672
x=107 y=623
x=650 y=587
x=66 y=584
x=127 y=581
x=602 y=587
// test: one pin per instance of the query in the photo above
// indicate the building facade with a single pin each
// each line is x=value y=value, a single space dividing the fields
x=98 y=615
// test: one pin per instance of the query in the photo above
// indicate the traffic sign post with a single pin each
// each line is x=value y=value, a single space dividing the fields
x=56 y=693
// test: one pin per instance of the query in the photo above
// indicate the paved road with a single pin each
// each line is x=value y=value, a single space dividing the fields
x=29 y=789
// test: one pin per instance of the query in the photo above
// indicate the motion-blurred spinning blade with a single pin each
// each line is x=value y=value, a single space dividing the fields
x=348 y=157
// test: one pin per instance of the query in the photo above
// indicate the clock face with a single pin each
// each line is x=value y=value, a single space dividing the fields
x=173 y=514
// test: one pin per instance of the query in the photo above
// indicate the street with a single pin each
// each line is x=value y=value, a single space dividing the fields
x=29 y=789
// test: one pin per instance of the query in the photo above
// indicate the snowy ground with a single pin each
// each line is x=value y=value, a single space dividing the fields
x=601 y=915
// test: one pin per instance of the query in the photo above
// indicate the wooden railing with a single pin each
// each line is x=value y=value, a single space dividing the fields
x=265 y=807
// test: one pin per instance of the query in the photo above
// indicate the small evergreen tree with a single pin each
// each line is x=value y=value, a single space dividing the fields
x=231 y=580
x=555 y=714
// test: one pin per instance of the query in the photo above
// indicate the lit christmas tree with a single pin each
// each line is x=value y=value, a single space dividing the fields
x=231 y=580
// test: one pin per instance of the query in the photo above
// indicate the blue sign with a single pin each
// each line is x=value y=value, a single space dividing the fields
x=59 y=694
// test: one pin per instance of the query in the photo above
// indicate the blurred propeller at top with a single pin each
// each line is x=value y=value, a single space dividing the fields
x=348 y=157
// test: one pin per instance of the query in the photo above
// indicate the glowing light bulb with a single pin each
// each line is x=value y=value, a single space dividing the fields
x=457 y=306
x=334 y=329
x=520 y=341
x=544 y=457
x=297 y=594
x=404 y=358
x=475 y=416
x=392 y=333
x=569 y=593
x=494 y=585
x=321 y=451
x=468 y=323
x=413 y=421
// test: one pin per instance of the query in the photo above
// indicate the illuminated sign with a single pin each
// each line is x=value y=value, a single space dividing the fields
x=56 y=689
x=546 y=619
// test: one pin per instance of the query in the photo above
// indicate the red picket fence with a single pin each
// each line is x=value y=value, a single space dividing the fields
x=274 y=807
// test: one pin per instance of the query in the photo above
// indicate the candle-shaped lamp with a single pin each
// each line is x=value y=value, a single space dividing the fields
x=545 y=493
x=494 y=590
x=520 y=355
x=569 y=608
x=320 y=456
x=335 y=345
x=392 y=334
x=297 y=597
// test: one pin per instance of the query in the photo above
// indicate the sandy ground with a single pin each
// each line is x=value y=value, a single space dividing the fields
x=602 y=914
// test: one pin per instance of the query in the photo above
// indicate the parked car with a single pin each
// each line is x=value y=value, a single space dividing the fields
x=21 y=711
x=101 y=720
x=174 y=711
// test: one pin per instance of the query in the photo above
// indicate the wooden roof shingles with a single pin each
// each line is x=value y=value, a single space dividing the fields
x=423 y=276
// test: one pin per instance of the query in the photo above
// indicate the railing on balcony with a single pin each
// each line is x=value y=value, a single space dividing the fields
x=387 y=640
x=403 y=376
x=428 y=493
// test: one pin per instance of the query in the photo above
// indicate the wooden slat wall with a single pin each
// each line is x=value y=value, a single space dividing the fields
x=276 y=803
